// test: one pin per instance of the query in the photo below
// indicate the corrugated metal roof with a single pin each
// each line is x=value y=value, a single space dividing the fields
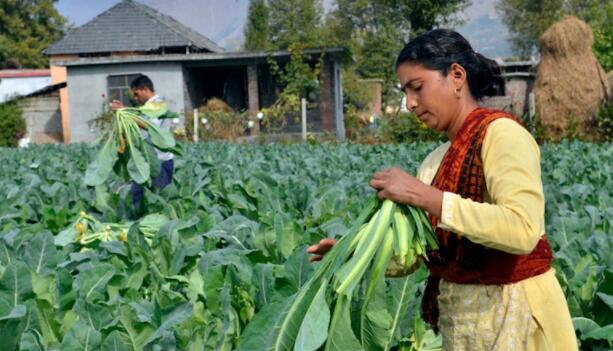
x=48 y=89
x=130 y=27
x=233 y=57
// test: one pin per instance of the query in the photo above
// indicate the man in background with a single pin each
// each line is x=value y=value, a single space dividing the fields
x=144 y=93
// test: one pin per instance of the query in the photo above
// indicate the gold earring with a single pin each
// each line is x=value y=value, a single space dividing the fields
x=456 y=93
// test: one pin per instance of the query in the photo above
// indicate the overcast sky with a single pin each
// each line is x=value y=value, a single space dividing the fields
x=223 y=20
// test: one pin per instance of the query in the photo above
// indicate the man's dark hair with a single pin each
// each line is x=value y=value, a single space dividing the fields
x=141 y=82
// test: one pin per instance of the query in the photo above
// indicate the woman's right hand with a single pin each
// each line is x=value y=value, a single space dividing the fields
x=320 y=249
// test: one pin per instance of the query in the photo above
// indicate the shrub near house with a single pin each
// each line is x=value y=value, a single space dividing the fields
x=12 y=124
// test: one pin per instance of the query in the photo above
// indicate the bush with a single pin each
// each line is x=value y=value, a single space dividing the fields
x=103 y=120
x=598 y=130
x=405 y=127
x=220 y=125
x=12 y=124
x=276 y=116
x=357 y=100
x=604 y=123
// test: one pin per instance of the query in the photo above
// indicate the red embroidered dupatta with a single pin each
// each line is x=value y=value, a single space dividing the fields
x=459 y=260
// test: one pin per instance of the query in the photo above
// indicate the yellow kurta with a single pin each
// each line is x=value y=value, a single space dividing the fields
x=528 y=315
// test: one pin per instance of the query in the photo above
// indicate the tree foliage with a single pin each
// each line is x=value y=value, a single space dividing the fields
x=27 y=27
x=295 y=21
x=527 y=20
x=257 y=30
x=375 y=31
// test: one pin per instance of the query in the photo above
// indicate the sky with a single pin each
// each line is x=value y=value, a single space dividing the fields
x=223 y=20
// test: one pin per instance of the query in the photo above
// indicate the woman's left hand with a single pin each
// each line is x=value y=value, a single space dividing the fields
x=399 y=186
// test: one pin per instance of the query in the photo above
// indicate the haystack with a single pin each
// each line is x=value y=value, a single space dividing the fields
x=215 y=104
x=570 y=84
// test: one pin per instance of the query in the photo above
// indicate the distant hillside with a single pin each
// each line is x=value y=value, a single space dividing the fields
x=488 y=35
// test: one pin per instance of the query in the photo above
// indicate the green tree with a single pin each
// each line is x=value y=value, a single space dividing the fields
x=527 y=20
x=295 y=21
x=375 y=30
x=257 y=31
x=295 y=25
x=27 y=27
x=602 y=25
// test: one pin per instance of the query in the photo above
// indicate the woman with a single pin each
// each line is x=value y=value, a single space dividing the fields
x=491 y=286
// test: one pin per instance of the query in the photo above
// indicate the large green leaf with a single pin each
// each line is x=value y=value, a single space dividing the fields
x=264 y=281
x=314 y=329
x=375 y=319
x=97 y=316
x=604 y=333
x=607 y=299
x=603 y=304
x=153 y=109
x=45 y=287
x=340 y=334
x=288 y=237
x=137 y=333
x=171 y=317
x=138 y=168
x=298 y=269
x=264 y=331
x=15 y=286
x=277 y=325
x=45 y=318
x=91 y=283
x=41 y=255
x=100 y=169
x=227 y=312
x=81 y=337
x=10 y=327
x=66 y=236
x=585 y=325
x=161 y=139
x=114 y=342
x=29 y=342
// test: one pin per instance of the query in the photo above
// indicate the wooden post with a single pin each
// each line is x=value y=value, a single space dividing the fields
x=304 y=119
x=338 y=101
x=253 y=97
x=195 y=124
x=326 y=103
x=531 y=111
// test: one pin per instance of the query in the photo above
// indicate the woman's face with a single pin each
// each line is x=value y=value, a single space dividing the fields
x=429 y=94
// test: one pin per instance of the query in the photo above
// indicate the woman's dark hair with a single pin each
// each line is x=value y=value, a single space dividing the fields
x=141 y=82
x=438 y=49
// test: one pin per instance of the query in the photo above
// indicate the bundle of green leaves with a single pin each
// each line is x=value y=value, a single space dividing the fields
x=343 y=305
x=127 y=152
x=87 y=230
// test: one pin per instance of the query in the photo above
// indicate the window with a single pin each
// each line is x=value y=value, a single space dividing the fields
x=119 y=88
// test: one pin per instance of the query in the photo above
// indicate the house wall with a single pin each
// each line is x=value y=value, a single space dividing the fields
x=515 y=100
x=87 y=84
x=59 y=75
x=43 y=118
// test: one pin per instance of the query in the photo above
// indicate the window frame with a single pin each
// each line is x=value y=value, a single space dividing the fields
x=120 y=90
